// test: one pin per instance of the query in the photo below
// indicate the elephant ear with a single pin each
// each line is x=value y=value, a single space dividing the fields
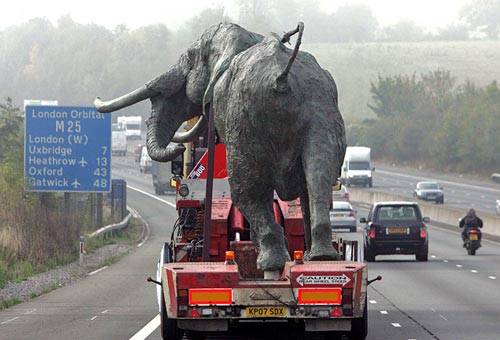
x=197 y=82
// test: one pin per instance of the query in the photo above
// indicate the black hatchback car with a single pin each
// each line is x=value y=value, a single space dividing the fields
x=395 y=228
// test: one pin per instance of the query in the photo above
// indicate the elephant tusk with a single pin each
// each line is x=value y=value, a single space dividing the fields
x=126 y=100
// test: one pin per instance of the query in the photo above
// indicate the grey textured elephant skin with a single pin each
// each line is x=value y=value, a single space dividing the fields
x=276 y=111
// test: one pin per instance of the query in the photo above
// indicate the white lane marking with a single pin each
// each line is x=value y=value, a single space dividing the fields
x=152 y=196
x=105 y=311
x=383 y=312
x=445 y=261
x=98 y=270
x=395 y=324
x=433 y=256
x=95 y=317
x=473 y=271
x=492 y=277
x=30 y=311
x=7 y=321
x=442 y=317
x=148 y=329
x=459 y=265
x=373 y=301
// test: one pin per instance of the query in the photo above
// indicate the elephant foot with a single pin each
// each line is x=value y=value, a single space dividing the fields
x=321 y=253
x=272 y=257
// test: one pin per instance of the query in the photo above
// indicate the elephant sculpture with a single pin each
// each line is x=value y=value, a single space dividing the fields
x=275 y=109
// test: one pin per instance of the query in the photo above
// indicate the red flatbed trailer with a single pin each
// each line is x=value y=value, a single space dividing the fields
x=197 y=297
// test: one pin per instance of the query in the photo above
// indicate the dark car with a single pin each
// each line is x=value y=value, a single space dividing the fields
x=395 y=228
x=429 y=191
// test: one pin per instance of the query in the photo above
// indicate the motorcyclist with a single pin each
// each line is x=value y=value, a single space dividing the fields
x=470 y=221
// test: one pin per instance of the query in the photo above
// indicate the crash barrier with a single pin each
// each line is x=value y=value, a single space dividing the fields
x=436 y=212
x=105 y=231
x=495 y=177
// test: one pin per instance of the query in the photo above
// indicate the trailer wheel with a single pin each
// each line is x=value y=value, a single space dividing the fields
x=169 y=329
x=359 y=326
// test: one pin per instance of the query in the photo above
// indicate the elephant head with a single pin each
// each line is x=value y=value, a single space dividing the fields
x=184 y=91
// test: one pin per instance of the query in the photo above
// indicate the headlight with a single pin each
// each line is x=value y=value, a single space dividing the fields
x=183 y=190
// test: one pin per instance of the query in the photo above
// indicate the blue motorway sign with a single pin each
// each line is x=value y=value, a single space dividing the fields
x=67 y=149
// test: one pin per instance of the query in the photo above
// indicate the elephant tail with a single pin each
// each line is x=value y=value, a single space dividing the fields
x=282 y=80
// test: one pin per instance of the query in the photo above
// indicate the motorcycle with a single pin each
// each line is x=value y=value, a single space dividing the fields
x=472 y=240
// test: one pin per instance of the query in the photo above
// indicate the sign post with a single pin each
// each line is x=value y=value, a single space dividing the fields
x=67 y=149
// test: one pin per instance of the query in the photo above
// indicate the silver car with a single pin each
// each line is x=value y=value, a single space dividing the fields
x=498 y=207
x=429 y=191
x=342 y=217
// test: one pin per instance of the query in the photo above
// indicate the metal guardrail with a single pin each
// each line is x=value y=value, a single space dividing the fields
x=116 y=226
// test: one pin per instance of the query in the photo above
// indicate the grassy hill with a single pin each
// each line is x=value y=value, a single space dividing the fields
x=354 y=65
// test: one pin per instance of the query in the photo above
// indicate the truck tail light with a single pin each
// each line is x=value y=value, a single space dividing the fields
x=423 y=232
x=182 y=302
x=372 y=232
x=319 y=296
x=211 y=296
x=347 y=301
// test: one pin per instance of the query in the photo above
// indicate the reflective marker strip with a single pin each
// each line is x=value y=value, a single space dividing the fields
x=320 y=296
x=217 y=296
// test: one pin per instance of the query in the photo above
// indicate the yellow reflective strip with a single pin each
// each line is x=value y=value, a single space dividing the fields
x=210 y=297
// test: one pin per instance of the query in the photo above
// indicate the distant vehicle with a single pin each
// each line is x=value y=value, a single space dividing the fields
x=342 y=217
x=133 y=126
x=429 y=191
x=145 y=163
x=137 y=152
x=357 y=167
x=161 y=174
x=118 y=139
x=341 y=194
x=395 y=228
x=498 y=207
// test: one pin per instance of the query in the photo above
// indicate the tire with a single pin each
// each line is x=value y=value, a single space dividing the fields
x=471 y=251
x=423 y=254
x=168 y=327
x=369 y=254
x=422 y=257
x=359 y=326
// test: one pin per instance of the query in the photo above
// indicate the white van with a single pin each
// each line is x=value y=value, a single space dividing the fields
x=145 y=162
x=118 y=140
x=357 y=167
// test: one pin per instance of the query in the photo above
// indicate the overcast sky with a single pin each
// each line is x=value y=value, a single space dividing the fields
x=110 y=13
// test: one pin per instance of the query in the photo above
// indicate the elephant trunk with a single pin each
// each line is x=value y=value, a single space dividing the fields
x=126 y=100
x=158 y=136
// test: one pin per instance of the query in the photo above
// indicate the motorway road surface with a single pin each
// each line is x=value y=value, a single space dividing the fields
x=460 y=192
x=453 y=296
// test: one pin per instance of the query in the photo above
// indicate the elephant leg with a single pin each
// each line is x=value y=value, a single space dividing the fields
x=267 y=235
x=318 y=164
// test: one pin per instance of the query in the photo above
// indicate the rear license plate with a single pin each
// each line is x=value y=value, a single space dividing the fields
x=338 y=215
x=397 y=230
x=259 y=312
x=473 y=237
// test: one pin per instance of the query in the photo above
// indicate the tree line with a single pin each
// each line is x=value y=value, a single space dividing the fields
x=430 y=120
